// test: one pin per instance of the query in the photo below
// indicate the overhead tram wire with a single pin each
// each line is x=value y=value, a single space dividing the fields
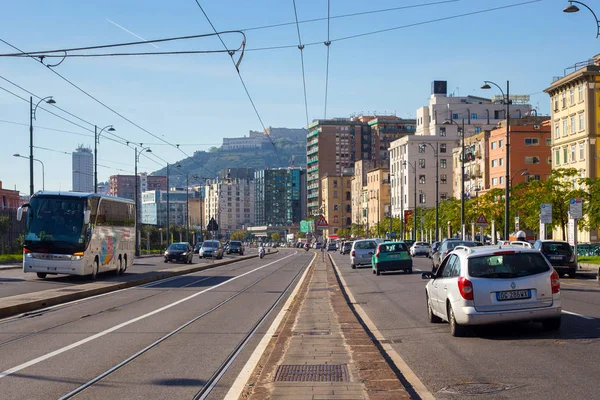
x=456 y=16
x=301 y=48
x=327 y=44
x=100 y=165
x=236 y=65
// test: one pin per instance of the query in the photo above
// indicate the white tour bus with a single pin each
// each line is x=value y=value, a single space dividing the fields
x=78 y=234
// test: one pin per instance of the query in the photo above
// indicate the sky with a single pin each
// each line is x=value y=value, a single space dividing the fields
x=195 y=100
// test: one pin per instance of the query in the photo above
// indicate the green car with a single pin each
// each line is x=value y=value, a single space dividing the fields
x=391 y=256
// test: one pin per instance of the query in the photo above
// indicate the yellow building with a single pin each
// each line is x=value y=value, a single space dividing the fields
x=378 y=197
x=575 y=101
x=336 y=204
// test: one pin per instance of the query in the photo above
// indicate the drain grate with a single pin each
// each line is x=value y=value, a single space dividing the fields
x=321 y=290
x=470 y=389
x=311 y=333
x=312 y=373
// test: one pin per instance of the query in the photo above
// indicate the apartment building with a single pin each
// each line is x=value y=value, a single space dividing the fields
x=231 y=203
x=280 y=196
x=182 y=206
x=124 y=185
x=378 y=195
x=476 y=156
x=575 y=99
x=358 y=185
x=9 y=199
x=83 y=170
x=336 y=192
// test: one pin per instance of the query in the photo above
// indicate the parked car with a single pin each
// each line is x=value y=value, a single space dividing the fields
x=361 y=252
x=345 y=249
x=409 y=243
x=391 y=256
x=318 y=245
x=235 y=246
x=331 y=246
x=211 y=248
x=420 y=249
x=487 y=285
x=445 y=248
x=434 y=247
x=182 y=251
x=197 y=248
x=560 y=255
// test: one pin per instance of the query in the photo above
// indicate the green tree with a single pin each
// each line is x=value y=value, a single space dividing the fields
x=276 y=237
x=238 y=235
x=4 y=228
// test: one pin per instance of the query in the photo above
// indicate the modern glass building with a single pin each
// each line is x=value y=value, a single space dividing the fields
x=280 y=196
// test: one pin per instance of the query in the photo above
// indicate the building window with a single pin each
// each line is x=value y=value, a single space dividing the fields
x=454 y=115
x=548 y=142
x=500 y=143
x=573 y=127
x=421 y=148
x=565 y=155
x=335 y=194
x=532 y=160
x=473 y=116
x=557 y=157
x=555 y=103
x=581 y=152
x=572 y=96
x=421 y=163
x=549 y=160
x=336 y=207
x=581 y=122
x=501 y=180
x=580 y=91
x=501 y=161
x=443 y=148
x=442 y=131
x=533 y=178
x=494 y=181
x=564 y=127
x=573 y=157
x=564 y=99
x=532 y=142
x=422 y=198
x=444 y=196
x=443 y=163
x=556 y=130
x=444 y=178
x=422 y=179
x=478 y=129
x=494 y=163
x=494 y=145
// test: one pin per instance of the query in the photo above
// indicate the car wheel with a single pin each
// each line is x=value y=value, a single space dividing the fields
x=41 y=275
x=166 y=260
x=573 y=274
x=456 y=329
x=551 y=324
x=561 y=275
x=434 y=319
x=377 y=271
x=409 y=271
x=353 y=266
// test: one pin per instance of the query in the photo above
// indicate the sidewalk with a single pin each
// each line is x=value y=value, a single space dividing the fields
x=322 y=351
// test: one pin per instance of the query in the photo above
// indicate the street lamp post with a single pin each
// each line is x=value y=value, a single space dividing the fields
x=462 y=173
x=506 y=98
x=524 y=173
x=414 y=167
x=43 y=173
x=187 y=206
x=32 y=110
x=437 y=186
x=571 y=8
x=96 y=141
x=137 y=199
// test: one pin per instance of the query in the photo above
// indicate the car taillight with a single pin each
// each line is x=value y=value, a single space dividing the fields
x=377 y=255
x=465 y=287
x=353 y=253
x=445 y=253
x=555 y=282
x=572 y=258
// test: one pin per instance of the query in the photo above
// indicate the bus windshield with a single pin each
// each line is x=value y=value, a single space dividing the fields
x=55 y=223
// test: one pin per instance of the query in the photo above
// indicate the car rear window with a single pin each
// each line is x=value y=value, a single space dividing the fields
x=365 y=245
x=453 y=244
x=556 y=248
x=392 y=248
x=507 y=266
x=177 y=246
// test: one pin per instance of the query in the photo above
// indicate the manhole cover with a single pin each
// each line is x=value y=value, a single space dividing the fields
x=311 y=333
x=312 y=373
x=470 y=389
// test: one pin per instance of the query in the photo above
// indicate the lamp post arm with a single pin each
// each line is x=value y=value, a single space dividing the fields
x=593 y=13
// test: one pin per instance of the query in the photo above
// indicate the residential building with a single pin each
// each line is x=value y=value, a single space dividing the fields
x=231 y=203
x=575 y=99
x=336 y=192
x=83 y=170
x=9 y=199
x=358 y=185
x=438 y=126
x=386 y=129
x=124 y=185
x=476 y=167
x=280 y=196
x=154 y=207
x=378 y=197
x=237 y=173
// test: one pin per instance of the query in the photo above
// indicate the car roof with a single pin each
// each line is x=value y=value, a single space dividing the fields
x=491 y=250
x=553 y=241
x=180 y=243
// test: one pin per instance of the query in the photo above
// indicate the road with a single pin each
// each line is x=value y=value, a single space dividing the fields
x=522 y=359
x=14 y=281
x=52 y=354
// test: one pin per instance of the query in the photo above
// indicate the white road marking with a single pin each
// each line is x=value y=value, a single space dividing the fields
x=577 y=315
x=240 y=382
x=126 y=323
x=408 y=373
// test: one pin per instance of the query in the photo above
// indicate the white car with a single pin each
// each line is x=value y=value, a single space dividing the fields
x=420 y=248
x=362 y=251
x=493 y=284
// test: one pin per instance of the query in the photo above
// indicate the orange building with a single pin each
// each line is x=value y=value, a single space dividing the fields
x=9 y=198
x=530 y=151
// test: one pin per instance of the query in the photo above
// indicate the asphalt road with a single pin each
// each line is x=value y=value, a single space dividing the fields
x=50 y=355
x=522 y=359
x=14 y=281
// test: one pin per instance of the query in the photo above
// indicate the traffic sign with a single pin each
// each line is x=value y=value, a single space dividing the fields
x=576 y=208
x=546 y=213
x=322 y=222
x=517 y=223
x=212 y=225
x=482 y=220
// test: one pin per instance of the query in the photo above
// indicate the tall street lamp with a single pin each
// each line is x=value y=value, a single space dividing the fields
x=137 y=200
x=506 y=98
x=523 y=171
x=462 y=171
x=437 y=185
x=571 y=8
x=32 y=110
x=187 y=205
x=96 y=141
x=43 y=173
x=414 y=167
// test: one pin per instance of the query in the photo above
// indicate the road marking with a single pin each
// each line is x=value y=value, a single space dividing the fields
x=126 y=323
x=408 y=373
x=577 y=315
x=240 y=382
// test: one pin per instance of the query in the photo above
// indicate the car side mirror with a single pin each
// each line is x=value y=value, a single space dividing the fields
x=427 y=275
x=86 y=216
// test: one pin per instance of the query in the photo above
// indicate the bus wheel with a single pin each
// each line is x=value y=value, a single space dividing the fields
x=95 y=270
x=119 y=266
x=124 y=265
x=41 y=275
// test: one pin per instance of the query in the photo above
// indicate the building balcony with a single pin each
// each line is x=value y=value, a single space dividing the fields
x=312 y=151
x=312 y=161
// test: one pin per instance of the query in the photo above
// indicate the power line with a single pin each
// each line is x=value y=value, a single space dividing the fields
x=327 y=44
x=100 y=165
x=300 y=47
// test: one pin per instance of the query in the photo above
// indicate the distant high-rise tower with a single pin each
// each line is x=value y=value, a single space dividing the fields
x=83 y=170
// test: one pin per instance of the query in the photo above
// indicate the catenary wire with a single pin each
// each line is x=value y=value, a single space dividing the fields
x=327 y=44
x=301 y=48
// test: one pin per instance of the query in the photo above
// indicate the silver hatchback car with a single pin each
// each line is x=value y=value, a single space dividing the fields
x=493 y=284
x=362 y=251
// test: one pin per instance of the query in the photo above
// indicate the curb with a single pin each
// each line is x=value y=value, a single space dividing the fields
x=34 y=301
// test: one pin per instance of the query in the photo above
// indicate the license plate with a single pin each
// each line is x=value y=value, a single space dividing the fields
x=393 y=256
x=556 y=257
x=513 y=295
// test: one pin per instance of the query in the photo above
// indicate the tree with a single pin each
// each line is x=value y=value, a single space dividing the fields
x=4 y=227
x=238 y=235
x=276 y=237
